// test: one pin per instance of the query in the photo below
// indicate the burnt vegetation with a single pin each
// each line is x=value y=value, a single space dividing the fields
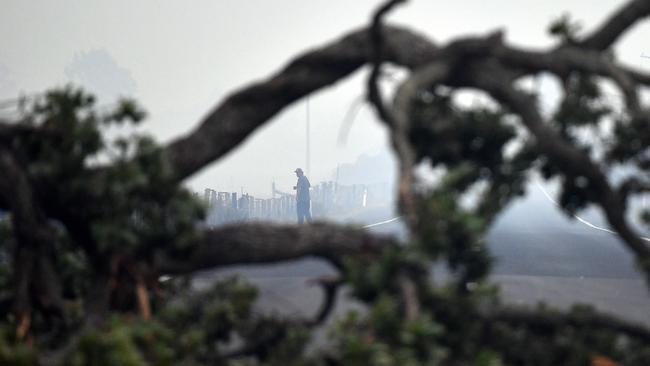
x=93 y=223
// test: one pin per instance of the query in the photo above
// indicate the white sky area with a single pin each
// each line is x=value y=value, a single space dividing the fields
x=179 y=59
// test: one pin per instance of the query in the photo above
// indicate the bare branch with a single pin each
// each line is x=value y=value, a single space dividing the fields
x=249 y=108
x=410 y=297
x=376 y=58
x=265 y=243
x=246 y=110
x=427 y=76
x=615 y=25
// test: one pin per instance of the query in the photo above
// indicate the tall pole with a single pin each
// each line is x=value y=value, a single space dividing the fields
x=307 y=157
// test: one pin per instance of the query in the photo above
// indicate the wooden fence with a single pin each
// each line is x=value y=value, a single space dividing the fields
x=327 y=198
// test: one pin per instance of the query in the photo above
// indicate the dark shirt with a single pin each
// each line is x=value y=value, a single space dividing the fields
x=302 y=189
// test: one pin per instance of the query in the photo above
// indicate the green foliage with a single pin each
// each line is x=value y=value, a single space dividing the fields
x=13 y=352
x=451 y=323
x=571 y=345
x=138 y=204
x=384 y=338
x=582 y=105
x=450 y=136
x=133 y=342
x=632 y=138
x=194 y=330
x=137 y=208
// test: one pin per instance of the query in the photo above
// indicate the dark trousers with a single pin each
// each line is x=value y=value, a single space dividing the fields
x=303 y=211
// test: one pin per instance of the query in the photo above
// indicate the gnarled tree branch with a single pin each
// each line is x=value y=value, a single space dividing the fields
x=245 y=110
x=265 y=243
x=615 y=25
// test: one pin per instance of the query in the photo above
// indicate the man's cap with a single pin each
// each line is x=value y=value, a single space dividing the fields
x=297 y=170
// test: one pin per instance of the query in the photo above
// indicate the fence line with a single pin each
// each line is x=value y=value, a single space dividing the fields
x=327 y=199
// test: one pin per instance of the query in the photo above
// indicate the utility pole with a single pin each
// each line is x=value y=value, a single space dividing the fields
x=336 y=183
x=307 y=157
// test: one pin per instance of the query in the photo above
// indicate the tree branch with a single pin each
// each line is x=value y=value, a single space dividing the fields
x=377 y=32
x=264 y=243
x=409 y=295
x=247 y=109
x=615 y=25
x=493 y=79
x=330 y=286
x=244 y=111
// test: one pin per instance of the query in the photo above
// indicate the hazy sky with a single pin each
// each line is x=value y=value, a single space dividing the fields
x=180 y=58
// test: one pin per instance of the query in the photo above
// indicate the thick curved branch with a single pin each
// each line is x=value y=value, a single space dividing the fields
x=246 y=110
x=624 y=18
x=264 y=243
x=432 y=74
x=399 y=129
x=563 y=60
x=377 y=40
x=249 y=108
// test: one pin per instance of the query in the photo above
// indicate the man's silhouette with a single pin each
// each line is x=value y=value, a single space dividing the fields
x=302 y=197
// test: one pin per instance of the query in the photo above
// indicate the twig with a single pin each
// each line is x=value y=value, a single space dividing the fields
x=330 y=286
x=376 y=58
x=409 y=296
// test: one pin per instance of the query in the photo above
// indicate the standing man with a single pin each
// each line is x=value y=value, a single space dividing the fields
x=302 y=196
